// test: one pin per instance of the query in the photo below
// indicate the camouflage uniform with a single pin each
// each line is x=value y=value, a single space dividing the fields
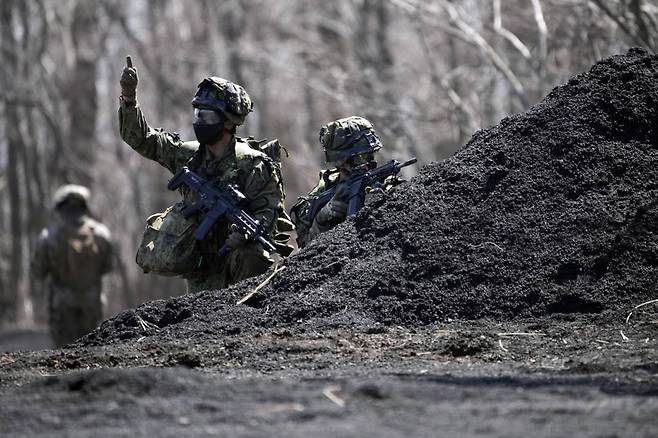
x=73 y=254
x=353 y=140
x=254 y=172
x=306 y=226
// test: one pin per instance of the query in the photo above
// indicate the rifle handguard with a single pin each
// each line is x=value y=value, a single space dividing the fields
x=216 y=202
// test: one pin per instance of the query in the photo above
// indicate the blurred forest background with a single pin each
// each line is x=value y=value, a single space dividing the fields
x=428 y=74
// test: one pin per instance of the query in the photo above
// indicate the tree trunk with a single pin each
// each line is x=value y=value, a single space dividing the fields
x=461 y=118
x=9 y=294
x=232 y=25
x=82 y=101
x=263 y=72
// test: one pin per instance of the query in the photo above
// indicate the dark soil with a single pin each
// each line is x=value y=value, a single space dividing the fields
x=487 y=297
x=553 y=211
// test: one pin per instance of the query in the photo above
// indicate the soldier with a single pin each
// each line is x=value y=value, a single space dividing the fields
x=218 y=156
x=348 y=143
x=73 y=254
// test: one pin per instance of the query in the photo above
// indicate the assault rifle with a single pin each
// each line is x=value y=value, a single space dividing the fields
x=360 y=178
x=215 y=202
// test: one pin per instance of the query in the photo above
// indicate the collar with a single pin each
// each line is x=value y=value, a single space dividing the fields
x=209 y=157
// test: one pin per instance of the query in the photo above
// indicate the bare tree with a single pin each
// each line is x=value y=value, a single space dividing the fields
x=634 y=18
x=427 y=73
x=14 y=143
x=81 y=92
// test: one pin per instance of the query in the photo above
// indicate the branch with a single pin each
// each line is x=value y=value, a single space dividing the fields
x=463 y=31
x=651 y=19
x=444 y=83
x=116 y=15
x=419 y=9
x=508 y=35
x=642 y=28
x=542 y=29
x=487 y=50
x=622 y=24
x=28 y=102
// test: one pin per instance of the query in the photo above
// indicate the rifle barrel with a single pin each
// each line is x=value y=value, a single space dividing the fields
x=409 y=162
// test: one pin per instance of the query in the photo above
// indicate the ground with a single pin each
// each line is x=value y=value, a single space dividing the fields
x=555 y=377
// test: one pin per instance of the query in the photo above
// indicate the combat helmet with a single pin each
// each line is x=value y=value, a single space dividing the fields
x=218 y=94
x=348 y=137
x=71 y=192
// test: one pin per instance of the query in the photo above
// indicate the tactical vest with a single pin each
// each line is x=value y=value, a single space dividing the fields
x=272 y=150
x=168 y=246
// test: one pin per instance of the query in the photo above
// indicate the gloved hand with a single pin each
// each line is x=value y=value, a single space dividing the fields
x=235 y=239
x=334 y=211
x=128 y=82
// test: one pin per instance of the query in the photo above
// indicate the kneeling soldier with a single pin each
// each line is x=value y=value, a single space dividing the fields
x=219 y=157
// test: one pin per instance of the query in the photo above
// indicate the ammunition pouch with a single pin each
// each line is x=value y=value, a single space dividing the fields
x=168 y=245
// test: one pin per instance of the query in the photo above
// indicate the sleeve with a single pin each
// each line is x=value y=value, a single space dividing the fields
x=154 y=144
x=263 y=193
x=301 y=217
x=318 y=228
x=104 y=238
x=39 y=266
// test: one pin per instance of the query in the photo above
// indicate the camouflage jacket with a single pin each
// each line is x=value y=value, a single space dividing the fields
x=250 y=169
x=300 y=211
x=74 y=255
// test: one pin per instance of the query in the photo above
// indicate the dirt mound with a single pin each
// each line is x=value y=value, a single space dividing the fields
x=552 y=211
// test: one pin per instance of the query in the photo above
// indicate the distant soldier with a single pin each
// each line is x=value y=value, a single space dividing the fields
x=349 y=144
x=219 y=157
x=73 y=254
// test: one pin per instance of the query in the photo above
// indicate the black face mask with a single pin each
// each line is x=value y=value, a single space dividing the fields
x=208 y=134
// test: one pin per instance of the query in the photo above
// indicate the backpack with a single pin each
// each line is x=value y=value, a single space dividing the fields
x=79 y=255
x=168 y=246
x=272 y=149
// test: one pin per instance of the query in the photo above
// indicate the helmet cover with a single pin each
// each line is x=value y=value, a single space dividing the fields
x=71 y=192
x=348 y=137
x=218 y=94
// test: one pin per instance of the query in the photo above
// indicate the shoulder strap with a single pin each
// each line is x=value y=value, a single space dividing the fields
x=271 y=148
x=244 y=149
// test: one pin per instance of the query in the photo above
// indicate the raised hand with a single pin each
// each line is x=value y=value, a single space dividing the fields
x=128 y=81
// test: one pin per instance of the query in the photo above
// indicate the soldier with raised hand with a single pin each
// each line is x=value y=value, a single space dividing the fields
x=73 y=254
x=348 y=143
x=219 y=157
